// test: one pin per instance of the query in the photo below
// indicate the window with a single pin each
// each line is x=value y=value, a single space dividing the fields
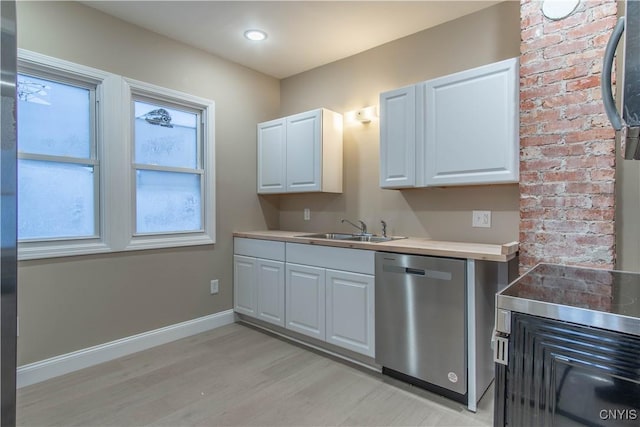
x=107 y=163
x=57 y=165
x=61 y=189
x=172 y=167
x=168 y=169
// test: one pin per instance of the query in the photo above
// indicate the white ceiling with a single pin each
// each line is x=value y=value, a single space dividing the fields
x=301 y=34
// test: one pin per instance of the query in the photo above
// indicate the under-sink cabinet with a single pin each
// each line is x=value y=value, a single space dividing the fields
x=304 y=300
x=459 y=129
x=301 y=153
x=326 y=293
x=331 y=305
x=330 y=295
x=258 y=279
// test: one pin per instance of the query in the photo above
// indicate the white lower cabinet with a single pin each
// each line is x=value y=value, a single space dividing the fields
x=331 y=305
x=322 y=292
x=245 y=298
x=330 y=295
x=258 y=283
x=258 y=287
x=350 y=311
x=305 y=300
x=270 y=282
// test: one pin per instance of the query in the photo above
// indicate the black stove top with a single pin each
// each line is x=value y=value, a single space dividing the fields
x=559 y=288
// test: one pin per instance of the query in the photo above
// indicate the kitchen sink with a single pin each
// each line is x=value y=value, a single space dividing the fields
x=351 y=237
x=330 y=236
x=373 y=239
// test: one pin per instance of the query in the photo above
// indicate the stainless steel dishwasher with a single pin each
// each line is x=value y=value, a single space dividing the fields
x=420 y=321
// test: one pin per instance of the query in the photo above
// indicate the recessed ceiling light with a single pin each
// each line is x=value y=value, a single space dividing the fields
x=255 y=35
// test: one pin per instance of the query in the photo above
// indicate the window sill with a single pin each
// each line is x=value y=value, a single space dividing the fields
x=32 y=252
x=160 y=242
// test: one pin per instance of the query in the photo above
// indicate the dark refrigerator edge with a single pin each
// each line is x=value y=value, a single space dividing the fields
x=8 y=214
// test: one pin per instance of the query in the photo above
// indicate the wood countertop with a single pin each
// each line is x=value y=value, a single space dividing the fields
x=410 y=245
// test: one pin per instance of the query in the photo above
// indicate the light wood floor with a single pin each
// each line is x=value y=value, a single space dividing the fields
x=236 y=376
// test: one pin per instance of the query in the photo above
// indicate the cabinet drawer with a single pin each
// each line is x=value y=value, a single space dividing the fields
x=355 y=260
x=267 y=249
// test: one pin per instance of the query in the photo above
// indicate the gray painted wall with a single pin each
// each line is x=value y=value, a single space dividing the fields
x=72 y=303
x=486 y=36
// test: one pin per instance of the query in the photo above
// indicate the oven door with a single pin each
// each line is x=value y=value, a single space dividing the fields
x=563 y=374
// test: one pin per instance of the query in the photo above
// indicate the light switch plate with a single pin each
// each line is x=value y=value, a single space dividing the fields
x=481 y=219
x=307 y=214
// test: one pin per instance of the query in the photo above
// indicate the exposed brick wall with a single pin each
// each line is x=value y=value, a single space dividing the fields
x=567 y=147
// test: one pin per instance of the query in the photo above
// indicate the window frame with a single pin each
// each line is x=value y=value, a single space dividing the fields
x=92 y=161
x=137 y=90
x=65 y=72
x=114 y=145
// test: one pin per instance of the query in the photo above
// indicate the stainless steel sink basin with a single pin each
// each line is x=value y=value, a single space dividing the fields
x=351 y=237
x=373 y=239
x=330 y=236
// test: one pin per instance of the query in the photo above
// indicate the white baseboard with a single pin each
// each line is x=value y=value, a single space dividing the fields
x=70 y=362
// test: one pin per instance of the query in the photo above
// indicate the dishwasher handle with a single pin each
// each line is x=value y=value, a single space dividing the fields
x=430 y=274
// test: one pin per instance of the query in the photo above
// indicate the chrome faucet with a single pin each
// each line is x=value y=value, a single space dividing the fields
x=362 y=227
x=384 y=228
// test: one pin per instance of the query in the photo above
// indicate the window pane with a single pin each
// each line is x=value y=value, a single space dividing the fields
x=167 y=201
x=165 y=136
x=53 y=118
x=55 y=200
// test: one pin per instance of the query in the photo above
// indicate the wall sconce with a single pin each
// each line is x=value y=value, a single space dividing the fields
x=365 y=115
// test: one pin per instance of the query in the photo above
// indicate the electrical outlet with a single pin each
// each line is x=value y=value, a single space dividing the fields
x=307 y=214
x=481 y=219
x=214 y=287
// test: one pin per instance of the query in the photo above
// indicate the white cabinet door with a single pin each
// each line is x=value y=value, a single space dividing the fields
x=398 y=138
x=305 y=300
x=471 y=126
x=245 y=298
x=350 y=311
x=304 y=152
x=272 y=156
x=301 y=153
x=270 y=291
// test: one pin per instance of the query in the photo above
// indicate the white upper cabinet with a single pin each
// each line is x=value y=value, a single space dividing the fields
x=471 y=126
x=398 y=138
x=460 y=129
x=272 y=151
x=304 y=152
x=301 y=153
